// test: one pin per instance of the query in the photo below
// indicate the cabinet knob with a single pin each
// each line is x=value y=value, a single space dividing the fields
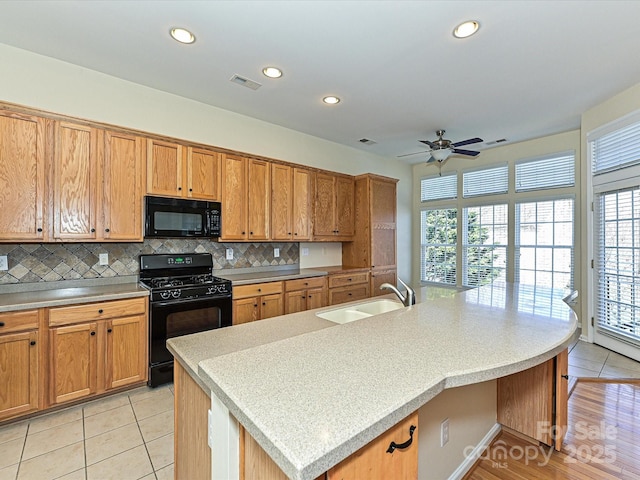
x=349 y=279
x=250 y=233
x=259 y=289
x=93 y=230
x=179 y=189
x=32 y=343
x=394 y=445
x=109 y=330
x=255 y=304
x=303 y=296
x=566 y=377
x=296 y=233
x=290 y=233
x=1 y=324
x=263 y=303
x=306 y=283
x=93 y=333
x=191 y=189
x=39 y=229
x=350 y=293
x=243 y=233
x=107 y=230
x=101 y=311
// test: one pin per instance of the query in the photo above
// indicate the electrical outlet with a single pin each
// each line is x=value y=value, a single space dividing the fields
x=276 y=252
x=305 y=252
x=229 y=254
x=4 y=263
x=444 y=432
x=104 y=258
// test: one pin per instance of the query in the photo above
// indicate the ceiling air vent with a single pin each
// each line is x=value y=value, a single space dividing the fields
x=495 y=142
x=245 y=82
x=366 y=141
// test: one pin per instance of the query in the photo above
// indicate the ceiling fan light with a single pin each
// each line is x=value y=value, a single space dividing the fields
x=466 y=29
x=441 y=154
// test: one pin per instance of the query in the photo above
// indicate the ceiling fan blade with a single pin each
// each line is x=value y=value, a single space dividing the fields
x=427 y=142
x=467 y=142
x=409 y=154
x=469 y=153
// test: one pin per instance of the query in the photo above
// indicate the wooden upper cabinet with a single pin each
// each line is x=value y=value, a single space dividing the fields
x=75 y=172
x=122 y=187
x=234 y=198
x=259 y=206
x=382 y=201
x=22 y=176
x=290 y=203
x=164 y=168
x=334 y=214
x=203 y=174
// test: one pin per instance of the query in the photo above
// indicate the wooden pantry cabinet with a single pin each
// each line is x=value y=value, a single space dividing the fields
x=290 y=203
x=334 y=213
x=20 y=350
x=22 y=177
x=305 y=294
x=96 y=347
x=246 y=199
x=257 y=302
x=175 y=170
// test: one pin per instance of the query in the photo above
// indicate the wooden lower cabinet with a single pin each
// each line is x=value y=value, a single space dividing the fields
x=90 y=354
x=378 y=277
x=349 y=286
x=257 y=302
x=305 y=294
x=19 y=364
x=534 y=402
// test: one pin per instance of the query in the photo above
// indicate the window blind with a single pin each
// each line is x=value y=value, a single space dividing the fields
x=615 y=150
x=551 y=172
x=484 y=248
x=439 y=188
x=438 y=229
x=488 y=181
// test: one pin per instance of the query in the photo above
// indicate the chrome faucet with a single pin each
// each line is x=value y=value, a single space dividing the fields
x=408 y=299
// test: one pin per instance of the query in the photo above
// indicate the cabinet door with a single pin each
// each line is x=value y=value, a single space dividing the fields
x=164 y=168
x=281 y=202
x=22 y=171
x=561 y=397
x=316 y=298
x=378 y=277
x=18 y=373
x=122 y=187
x=203 y=174
x=259 y=199
x=73 y=353
x=295 y=301
x=234 y=198
x=324 y=212
x=345 y=206
x=245 y=310
x=373 y=462
x=75 y=170
x=126 y=351
x=271 y=306
x=301 y=220
x=383 y=223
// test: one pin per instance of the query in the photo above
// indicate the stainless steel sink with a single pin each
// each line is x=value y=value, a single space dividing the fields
x=360 y=311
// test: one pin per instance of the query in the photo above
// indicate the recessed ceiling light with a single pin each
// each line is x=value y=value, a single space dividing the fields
x=272 y=72
x=182 y=35
x=466 y=29
x=331 y=100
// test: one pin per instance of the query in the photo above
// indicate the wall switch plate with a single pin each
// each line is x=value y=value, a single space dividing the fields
x=104 y=258
x=229 y=254
x=4 y=263
x=276 y=252
x=444 y=432
x=305 y=252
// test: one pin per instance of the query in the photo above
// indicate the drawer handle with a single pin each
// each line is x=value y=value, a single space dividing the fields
x=394 y=445
x=566 y=377
x=32 y=343
x=101 y=311
x=93 y=333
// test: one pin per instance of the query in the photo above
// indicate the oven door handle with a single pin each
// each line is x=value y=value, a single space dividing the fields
x=187 y=301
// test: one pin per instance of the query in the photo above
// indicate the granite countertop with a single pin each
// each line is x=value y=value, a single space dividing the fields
x=312 y=399
x=52 y=294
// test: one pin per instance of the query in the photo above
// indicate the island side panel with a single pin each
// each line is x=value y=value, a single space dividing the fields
x=192 y=453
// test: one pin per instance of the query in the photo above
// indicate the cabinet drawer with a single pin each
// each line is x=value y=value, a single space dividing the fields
x=349 y=279
x=257 y=289
x=348 y=294
x=18 y=321
x=96 y=311
x=304 y=283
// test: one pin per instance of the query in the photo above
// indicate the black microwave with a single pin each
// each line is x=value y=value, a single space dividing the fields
x=177 y=217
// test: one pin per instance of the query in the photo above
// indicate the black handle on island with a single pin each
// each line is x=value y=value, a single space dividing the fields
x=394 y=445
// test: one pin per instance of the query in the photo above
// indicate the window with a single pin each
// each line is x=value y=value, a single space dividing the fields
x=438 y=250
x=439 y=188
x=544 y=249
x=616 y=150
x=550 y=172
x=485 y=233
x=487 y=181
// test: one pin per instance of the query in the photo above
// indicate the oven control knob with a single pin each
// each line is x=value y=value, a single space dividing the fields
x=175 y=293
x=165 y=295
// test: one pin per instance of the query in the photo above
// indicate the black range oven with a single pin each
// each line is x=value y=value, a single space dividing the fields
x=185 y=298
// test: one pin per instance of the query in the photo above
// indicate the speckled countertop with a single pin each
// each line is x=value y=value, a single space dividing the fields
x=52 y=294
x=312 y=399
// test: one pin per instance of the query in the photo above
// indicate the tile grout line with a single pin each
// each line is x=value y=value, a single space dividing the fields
x=144 y=442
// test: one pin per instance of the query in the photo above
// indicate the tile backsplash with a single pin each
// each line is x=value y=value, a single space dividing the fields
x=48 y=262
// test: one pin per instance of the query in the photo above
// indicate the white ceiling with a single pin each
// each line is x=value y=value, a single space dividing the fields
x=530 y=71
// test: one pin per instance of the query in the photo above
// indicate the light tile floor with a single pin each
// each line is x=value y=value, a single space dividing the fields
x=127 y=436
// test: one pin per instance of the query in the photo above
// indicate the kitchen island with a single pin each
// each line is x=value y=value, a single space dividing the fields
x=311 y=393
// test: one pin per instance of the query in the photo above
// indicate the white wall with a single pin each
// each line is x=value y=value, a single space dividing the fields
x=48 y=84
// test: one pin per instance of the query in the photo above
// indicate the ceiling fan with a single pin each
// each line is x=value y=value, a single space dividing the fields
x=442 y=148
